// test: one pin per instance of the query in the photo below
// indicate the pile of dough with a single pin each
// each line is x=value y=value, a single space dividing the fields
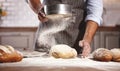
x=63 y=51
x=102 y=54
x=9 y=54
x=116 y=54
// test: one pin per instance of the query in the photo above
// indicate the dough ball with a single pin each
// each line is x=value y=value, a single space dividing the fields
x=63 y=51
x=116 y=54
x=102 y=54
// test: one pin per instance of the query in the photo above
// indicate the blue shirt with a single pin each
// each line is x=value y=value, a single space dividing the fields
x=94 y=11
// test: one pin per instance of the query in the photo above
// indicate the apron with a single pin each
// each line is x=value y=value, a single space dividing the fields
x=69 y=31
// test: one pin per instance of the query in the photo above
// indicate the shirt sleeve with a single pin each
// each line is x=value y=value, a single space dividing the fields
x=94 y=11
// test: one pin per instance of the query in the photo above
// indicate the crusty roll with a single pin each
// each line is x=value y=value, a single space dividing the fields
x=102 y=54
x=63 y=51
x=9 y=54
x=116 y=54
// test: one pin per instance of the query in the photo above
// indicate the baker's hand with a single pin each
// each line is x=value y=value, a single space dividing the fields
x=86 y=48
x=41 y=15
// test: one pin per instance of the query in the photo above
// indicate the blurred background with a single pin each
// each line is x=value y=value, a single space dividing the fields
x=18 y=14
x=18 y=24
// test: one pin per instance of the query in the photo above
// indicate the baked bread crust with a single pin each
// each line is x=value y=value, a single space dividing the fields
x=9 y=54
x=102 y=54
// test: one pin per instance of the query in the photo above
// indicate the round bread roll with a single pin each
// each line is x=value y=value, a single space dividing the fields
x=102 y=54
x=9 y=54
x=63 y=51
x=116 y=54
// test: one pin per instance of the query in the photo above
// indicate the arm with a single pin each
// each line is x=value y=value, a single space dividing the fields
x=93 y=20
x=37 y=6
x=90 y=30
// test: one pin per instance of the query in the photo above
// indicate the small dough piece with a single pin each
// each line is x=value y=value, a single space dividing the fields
x=102 y=54
x=116 y=54
x=63 y=51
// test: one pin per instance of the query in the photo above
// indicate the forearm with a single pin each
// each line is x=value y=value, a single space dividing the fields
x=35 y=5
x=91 y=29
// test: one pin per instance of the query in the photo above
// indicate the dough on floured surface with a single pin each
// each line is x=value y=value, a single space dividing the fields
x=116 y=54
x=63 y=51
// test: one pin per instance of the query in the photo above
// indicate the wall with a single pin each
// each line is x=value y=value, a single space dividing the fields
x=111 y=15
x=19 y=14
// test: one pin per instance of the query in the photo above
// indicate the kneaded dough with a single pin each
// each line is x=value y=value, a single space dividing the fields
x=63 y=51
x=102 y=54
x=116 y=54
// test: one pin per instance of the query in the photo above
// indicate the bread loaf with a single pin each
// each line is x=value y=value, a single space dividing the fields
x=63 y=51
x=9 y=54
x=116 y=54
x=102 y=54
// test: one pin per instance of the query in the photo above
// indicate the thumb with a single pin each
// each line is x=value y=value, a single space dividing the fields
x=81 y=43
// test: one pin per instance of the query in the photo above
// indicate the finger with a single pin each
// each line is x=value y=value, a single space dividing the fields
x=39 y=17
x=86 y=50
x=84 y=53
x=81 y=43
x=41 y=14
x=87 y=53
x=42 y=19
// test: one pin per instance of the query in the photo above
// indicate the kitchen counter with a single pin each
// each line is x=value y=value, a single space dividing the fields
x=47 y=63
x=43 y=63
x=33 y=29
x=109 y=28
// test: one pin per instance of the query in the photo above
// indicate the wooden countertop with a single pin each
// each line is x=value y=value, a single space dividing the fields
x=109 y=28
x=18 y=29
x=33 y=29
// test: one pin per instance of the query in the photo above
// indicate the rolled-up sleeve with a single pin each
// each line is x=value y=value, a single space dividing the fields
x=94 y=11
